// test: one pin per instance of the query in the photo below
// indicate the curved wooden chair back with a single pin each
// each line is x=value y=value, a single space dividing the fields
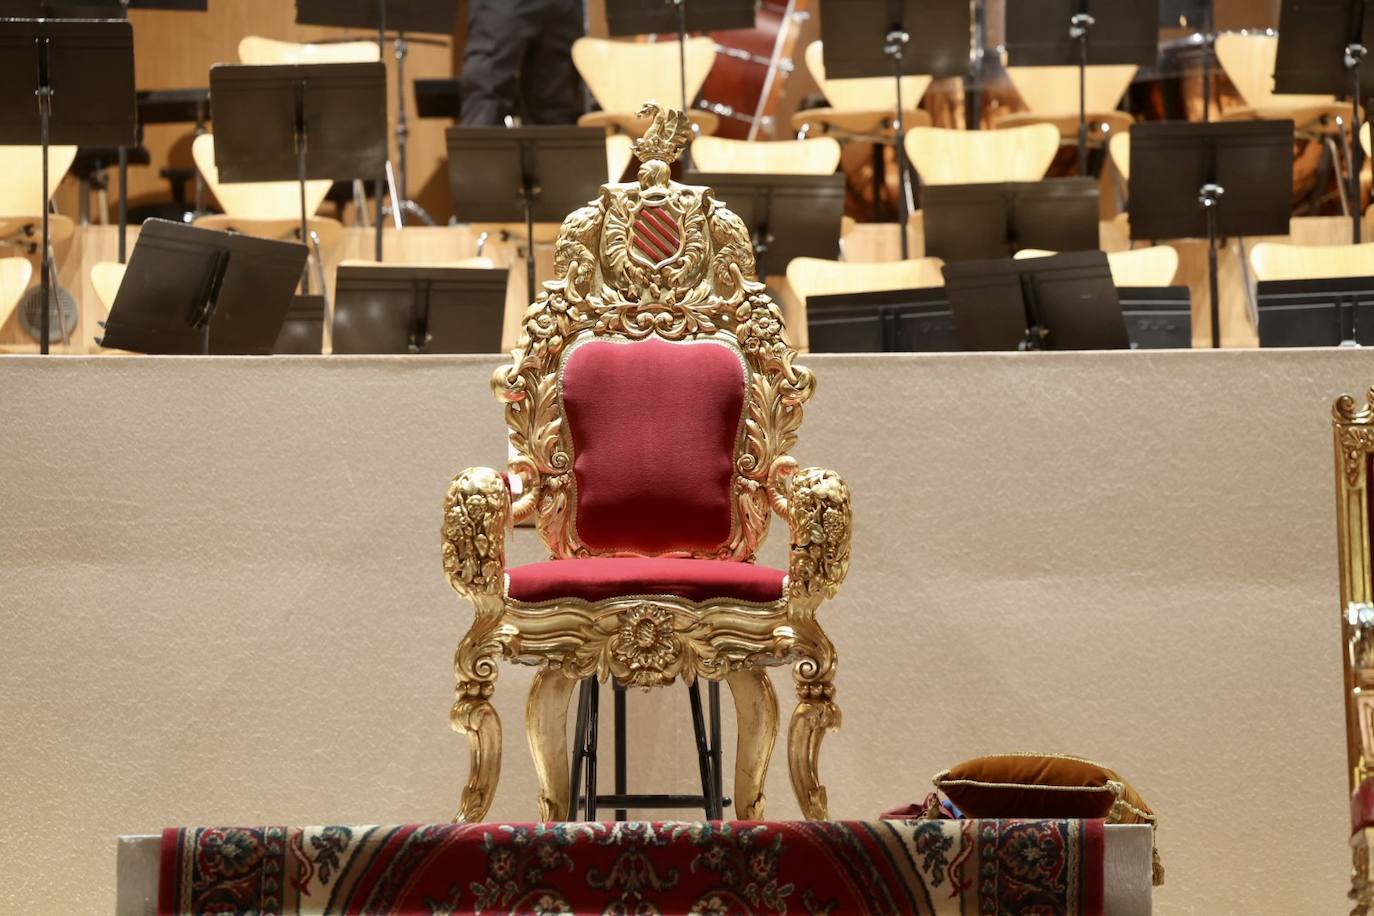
x=479 y=263
x=1248 y=60
x=22 y=167
x=619 y=152
x=106 y=277
x=863 y=93
x=254 y=49
x=943 y=156
x=815 y=156
x=256 y=200
x=1119 y=149
x=1054 y=90
x=15 y=274
x=819 y=277
x=1153 y=266
x=1279 y=261
x=622 y=74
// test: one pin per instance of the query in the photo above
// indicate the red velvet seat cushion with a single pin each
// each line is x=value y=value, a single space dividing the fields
x=598 y=578
x=654 y=428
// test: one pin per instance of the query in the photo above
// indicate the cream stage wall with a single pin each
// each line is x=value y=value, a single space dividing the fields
x=221 y=600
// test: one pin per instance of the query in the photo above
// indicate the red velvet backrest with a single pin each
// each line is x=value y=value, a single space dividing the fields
x=654 y=427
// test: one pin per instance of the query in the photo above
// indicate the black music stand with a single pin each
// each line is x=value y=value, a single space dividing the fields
x=439 y=98
x=66 y=82
x=295 y=122
x=302 y=332
x=887 y=321
x=642 y=17
x=995 y=220
x=1211 y=180
x=864 y=38
x=190 y=291
x=789 y=216
x=434 y=16
x=1322 y=46
x=91 y=9
x=1330 y=312
x=400 y=16
x=1056 y=33
x=385 y=309
x=524 y=174
x=1062 y=302
x=1157 y=317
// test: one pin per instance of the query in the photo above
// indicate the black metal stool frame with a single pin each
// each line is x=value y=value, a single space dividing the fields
x=711 y=800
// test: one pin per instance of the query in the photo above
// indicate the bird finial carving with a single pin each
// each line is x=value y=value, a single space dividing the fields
x=666 y=137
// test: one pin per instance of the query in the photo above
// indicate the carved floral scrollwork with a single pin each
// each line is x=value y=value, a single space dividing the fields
x=645 y=644
x=476 y=513
x=820 y=520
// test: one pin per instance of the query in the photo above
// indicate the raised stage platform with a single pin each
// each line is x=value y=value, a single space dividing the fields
x=223 y=600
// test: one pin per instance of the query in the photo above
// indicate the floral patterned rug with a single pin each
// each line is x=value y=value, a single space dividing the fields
x=638 y=869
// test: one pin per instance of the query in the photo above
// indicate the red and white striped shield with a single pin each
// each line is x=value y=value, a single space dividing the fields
x=657 y=235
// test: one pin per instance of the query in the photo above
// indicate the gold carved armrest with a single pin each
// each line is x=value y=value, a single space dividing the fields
x=818 y=514
x=477 y=514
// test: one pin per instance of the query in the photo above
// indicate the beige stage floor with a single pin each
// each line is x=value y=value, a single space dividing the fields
x=221 y=600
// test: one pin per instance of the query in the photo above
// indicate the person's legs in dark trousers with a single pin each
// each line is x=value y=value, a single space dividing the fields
x=548 y=81
x=499 y=36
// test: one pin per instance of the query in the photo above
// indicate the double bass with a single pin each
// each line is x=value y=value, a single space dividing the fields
x=751 y=70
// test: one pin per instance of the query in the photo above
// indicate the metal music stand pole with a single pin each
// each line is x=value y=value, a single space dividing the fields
x=1208 y=41
x=530 y=192
x=1354 y=59
x=300 y=138
x=1079 y=26
x=45 y=93
x=1209 y=197
x=382 y=179
x=973 y=107
x=894 y=45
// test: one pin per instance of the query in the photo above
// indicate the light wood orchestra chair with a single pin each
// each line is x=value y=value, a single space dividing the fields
x=1281 y=261
x=815 y=156
x=860 y=108
x=254 y=49
x=106 y=278
x=15 y=274
x=1153 y=266
x=942 y=156
x=1051 y=97
x=622 y=74
x=22 y=194
x=807 y=277
x=1248 y=60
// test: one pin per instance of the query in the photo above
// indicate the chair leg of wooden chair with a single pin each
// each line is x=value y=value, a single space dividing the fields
x=756 y=728
x=816 y=714
x=475 y=666
x=546 y=728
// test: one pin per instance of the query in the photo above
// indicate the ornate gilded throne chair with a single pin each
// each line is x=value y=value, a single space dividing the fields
x=1353 y=425
x=652 y=403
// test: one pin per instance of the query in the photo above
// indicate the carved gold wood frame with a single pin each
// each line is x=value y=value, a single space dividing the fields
x=604 y=288
x=1353 y=426
x=1353 y=430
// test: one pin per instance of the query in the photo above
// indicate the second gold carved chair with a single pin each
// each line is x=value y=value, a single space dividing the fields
x=652 y=402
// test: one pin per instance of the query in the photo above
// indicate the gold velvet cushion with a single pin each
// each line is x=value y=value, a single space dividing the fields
x=1044 y=786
